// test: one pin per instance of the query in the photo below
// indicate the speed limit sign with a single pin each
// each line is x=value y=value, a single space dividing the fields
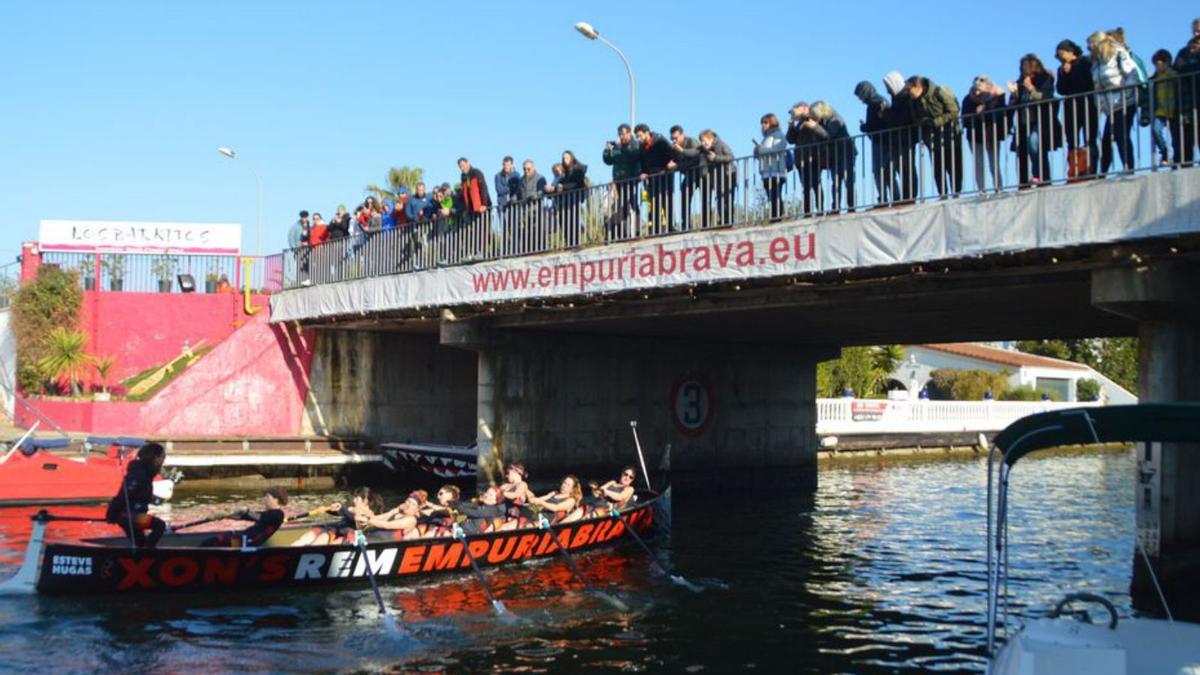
x=692 y=404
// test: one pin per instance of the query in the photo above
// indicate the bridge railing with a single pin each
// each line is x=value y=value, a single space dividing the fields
x=1016 y=146
x=159 y=272
x=848 y=416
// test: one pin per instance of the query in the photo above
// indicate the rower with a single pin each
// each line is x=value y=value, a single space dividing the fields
x=516 y=492
x=364 y=504
x=486 y=515
x=565 y=503
x=619 y=492
x=436 y=520
x=402 y=521
x=130 y=507
x=265 y=525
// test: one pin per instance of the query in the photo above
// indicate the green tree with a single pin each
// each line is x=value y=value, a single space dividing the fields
x=1087 y=390
x=397 y=177
x=1115 y=358
x=863 y=370
x=51 y=300
x=66 y=358
x=949 y=384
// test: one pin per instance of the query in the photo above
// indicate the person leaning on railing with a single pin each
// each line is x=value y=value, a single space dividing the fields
x=1164 y=104
x=1036 y=130
x=571 y=195
x=902 y=137
x=719 y=173
x=802 y=134
x=839 y=152
x=875 y=127
x=1187 y=65
x=1081 y=120
x=1115 y=74
x=772 y=155
x=935 y=112
x=656 y=154
x=685 y=159
x=625 y=157
x=985 y=124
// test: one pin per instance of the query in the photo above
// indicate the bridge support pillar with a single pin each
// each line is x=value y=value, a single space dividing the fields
x=563 y=402
x=1165 y=300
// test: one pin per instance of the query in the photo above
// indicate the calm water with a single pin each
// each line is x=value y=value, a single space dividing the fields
x=880 y=570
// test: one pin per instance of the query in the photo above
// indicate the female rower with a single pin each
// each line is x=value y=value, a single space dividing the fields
x=488 y=515
x=267 y=523
x=436 y=520
x=564 y=504
x=402 y=521
x=516 y=492
x=618 y=492
x=364 y=504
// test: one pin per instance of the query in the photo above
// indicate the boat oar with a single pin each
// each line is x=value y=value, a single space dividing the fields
x=460 y=535
x=615 y=603
x=675 y=578
x=210 y=519
x=388 y=620
x=641 y=458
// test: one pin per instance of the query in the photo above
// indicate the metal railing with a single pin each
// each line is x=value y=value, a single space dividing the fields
x=159 y=272
x=849 y=416
x=10 y=278
x=1017 y=145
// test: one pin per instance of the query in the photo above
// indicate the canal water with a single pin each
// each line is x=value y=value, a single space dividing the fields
x=881 y=569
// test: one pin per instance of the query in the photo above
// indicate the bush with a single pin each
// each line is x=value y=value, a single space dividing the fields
x=1028 y=393
x=947 y=384
x=1087 y=390
x=50 y=301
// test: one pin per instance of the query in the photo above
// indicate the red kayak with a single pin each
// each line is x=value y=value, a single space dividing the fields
x=29 y=474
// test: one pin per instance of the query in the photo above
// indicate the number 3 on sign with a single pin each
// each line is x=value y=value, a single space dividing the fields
x=692 y=404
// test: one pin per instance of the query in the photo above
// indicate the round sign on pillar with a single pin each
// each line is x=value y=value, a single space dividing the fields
x=692 y=404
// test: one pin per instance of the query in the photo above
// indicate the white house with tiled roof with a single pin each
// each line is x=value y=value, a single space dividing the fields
x=1039 y=372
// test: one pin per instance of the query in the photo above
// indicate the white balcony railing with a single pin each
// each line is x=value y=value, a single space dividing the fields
x=847 y=416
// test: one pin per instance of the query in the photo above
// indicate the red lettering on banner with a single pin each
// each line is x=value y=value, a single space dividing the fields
x=617 y=528
x=411 y=562
x=811 y=253
x=502 y=549
x=525 y=546
x=443 y=556
x=745 y=256
x=703 y=259
x=543 y=544
x=479 y=548
x=778 y=250
x=564 y=537
x=646 y=268
x=663 y=256
x=137 y=573
x=222 y=570
x=600 y=530
x=722 y=254
x=274 y=568
x=178 y=571
x=582 y=534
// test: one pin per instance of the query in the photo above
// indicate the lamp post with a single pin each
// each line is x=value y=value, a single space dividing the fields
x=232 y=154
x=247 y=261
x=585 y=29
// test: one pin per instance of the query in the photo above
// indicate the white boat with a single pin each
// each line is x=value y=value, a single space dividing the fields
x=1066 y=640
x=448 y=462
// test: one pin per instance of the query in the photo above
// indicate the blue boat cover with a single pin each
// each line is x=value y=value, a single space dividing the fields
x=123 y=441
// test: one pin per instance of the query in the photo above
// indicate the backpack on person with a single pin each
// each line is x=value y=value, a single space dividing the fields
x=1143 y=90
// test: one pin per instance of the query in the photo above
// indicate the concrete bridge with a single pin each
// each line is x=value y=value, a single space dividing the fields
x=711 y=338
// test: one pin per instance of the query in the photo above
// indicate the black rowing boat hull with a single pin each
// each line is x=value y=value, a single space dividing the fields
x=83 y=568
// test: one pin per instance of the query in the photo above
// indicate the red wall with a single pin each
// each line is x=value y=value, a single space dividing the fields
x=253 y=384
x=142 y=330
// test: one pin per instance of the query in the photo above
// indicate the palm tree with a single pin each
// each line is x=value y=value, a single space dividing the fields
x=103 y=366
x=397 y=177
x=66 y=358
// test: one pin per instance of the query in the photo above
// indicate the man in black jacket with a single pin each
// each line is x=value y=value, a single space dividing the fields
x=876 y=126
x=656 y=156
x=801 y=133
x=130 y=507
x=902 y=137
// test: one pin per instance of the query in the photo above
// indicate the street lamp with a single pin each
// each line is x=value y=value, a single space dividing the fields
x=248 y=262
x=232 y=154
x=588 y=31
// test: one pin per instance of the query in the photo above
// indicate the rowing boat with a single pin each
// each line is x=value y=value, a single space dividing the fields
x=108 y=565
x=31 y=474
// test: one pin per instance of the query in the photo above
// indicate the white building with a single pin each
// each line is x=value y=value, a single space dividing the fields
x=1039 y=372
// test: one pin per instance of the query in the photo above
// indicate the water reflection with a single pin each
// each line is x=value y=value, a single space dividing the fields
x=880 y=569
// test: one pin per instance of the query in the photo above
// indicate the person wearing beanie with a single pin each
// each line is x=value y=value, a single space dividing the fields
x=875 y=126
x=1081 y=119
x=935 y=112
x=902 y=138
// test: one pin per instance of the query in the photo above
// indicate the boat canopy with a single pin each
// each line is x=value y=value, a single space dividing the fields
x=1150 y=422
x=30 y=444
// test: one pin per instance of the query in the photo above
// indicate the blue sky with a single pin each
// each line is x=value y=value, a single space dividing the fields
x=114 y=111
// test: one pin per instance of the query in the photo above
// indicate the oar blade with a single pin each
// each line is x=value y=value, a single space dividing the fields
x=392 y=625
x=680 y=581
x=613 y=602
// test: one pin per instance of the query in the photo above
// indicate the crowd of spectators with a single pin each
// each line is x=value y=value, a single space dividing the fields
x=1088 y=106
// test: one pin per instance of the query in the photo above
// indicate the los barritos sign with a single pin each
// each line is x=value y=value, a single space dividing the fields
x=140 y=237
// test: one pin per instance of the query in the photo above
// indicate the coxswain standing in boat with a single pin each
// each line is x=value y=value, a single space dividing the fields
x=130 y=507
x=266 y=524
x=565 y=503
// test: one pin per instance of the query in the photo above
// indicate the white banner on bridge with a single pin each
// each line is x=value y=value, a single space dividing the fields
x=139 y=237
x=1087 y=213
